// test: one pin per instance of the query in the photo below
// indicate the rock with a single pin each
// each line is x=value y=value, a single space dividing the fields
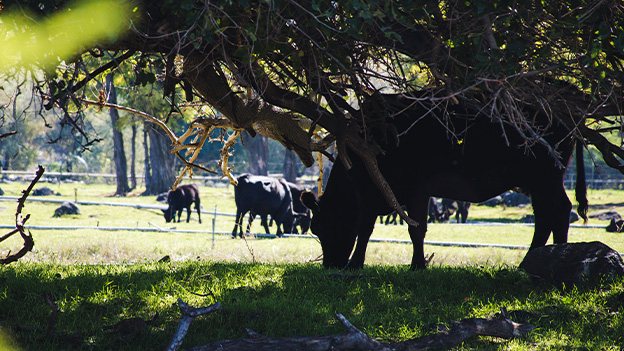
x=45 y=191
x=495 y=201
x=531 y=218
x=573 y=263
x=67 y=208
x=574 y=216
x=615 y=226
x=514 y=199
x=606 y=216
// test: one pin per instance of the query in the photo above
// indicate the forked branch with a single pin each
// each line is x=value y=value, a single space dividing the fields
x=20 y=221
x=200 y=128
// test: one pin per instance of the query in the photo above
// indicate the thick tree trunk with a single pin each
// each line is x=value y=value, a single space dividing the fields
x=257 y=149
x=290 y=166
x=161 y=161
x=119 y=155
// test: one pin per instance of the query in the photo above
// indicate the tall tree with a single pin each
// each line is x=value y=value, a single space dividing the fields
x=290 y=166
x=315 y=65
x=119 y=154
x=257 y=150
x=160 y=174
x=133 y=178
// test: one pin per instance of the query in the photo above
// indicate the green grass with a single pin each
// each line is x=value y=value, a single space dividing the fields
x=270 y=286
x=387 y=302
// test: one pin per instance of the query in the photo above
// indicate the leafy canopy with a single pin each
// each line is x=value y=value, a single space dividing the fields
x=300 y=71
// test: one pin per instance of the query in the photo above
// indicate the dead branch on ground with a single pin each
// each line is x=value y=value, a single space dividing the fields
x=188 y=315
x=354 y=339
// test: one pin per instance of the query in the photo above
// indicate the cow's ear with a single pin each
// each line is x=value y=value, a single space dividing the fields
x=311 y=201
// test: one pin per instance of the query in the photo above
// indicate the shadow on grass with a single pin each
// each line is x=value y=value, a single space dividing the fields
x=387 y=302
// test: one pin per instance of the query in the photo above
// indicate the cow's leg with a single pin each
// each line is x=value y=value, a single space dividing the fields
x=364 y=228
x=180 y=214
x=252 y=216
x=418 y=210
x=188 y=214
x=198 y=208
x=551 y=208
x=239 y=223
x=264 y=222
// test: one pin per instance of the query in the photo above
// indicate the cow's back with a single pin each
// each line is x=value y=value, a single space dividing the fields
x=471 y=163
x=183 y=196
x=260 y=194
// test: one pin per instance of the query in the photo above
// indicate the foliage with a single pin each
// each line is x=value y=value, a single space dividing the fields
x=310 y=72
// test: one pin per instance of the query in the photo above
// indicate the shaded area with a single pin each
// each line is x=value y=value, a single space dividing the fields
x=387 y=303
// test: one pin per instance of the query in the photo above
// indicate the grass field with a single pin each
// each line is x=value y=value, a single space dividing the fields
x=98 y=277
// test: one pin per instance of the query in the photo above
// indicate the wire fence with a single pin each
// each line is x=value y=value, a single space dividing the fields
x=215 y=215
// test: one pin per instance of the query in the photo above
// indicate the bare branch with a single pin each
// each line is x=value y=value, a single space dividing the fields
x=29 y=243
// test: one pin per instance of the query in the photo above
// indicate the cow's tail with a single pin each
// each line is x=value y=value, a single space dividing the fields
x=581 y=184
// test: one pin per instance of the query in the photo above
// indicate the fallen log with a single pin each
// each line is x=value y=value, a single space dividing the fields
x=354 y=339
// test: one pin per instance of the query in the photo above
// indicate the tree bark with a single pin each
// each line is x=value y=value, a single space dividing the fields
x=146 y=164
x=119 y=155
x=161 y=161
x=257 y=150
x=290 y=166
x=133 y=181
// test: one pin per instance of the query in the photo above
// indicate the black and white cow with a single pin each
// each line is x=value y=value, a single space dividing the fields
x=459 y=156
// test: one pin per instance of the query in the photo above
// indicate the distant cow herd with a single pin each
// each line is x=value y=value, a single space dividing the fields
x=257 y=195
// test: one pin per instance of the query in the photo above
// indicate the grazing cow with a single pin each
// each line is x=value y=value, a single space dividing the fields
x=263 y=196
x=466 y=157
x=435 y=215
x=302 y=213
x=183 y=197
x=459 y=208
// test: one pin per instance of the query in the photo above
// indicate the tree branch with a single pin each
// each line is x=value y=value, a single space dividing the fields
x=355 y=340
x=29 y=242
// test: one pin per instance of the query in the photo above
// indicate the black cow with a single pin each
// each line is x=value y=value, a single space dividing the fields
x=183 y=197
x=459 y=208
x=302 y=213
x=475 y=162
x=263 y=196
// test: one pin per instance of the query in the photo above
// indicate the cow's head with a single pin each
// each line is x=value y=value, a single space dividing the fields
x=169 y=214
x=327 y=224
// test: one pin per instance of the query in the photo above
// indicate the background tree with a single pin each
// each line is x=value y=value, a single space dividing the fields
x=290 y=166
x=119 y=154
x=321 y=70
x=257 y=150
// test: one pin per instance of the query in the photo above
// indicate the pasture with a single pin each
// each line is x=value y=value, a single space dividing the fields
x=276 y=286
